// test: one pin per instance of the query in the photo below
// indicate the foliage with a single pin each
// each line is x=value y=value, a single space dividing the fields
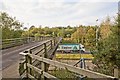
x=90 y=38
x=78 y=35
x=10 y=26
x=108 y=55
x=63 y=74
x=105 y=28
x=55 y=31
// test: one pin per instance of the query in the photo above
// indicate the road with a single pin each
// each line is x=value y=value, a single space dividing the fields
x=11 y=57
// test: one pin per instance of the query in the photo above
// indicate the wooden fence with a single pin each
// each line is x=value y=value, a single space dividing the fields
x=46 y=49
x=7 y=43
x=38 y=59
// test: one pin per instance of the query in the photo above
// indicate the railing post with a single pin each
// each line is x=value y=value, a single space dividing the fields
x=116 y=73
x=54 y=41
x=28 y=60
x=51 y=44
x=39 y=38
x=44 y=65
x=42 y=38
x=25 y=40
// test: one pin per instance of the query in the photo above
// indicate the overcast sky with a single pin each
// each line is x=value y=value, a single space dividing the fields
x=59 y=12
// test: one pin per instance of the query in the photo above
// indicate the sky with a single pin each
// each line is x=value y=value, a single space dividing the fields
x=54 y=13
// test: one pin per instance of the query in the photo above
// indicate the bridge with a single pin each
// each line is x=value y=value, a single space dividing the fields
x=10 y=53
x=34 y=58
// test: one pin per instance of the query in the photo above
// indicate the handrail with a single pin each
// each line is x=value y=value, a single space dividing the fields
x=80 y=71
x=45 y=59
x=7 y=43
x=48 y=48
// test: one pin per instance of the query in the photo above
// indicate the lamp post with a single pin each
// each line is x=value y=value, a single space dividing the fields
x=28 y=33
x=97 y=29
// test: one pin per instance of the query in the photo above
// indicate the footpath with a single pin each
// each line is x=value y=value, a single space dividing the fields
x=12 y=71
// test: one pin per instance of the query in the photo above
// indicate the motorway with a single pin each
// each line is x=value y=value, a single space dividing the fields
x=11 y=57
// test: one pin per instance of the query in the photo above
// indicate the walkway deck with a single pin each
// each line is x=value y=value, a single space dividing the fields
x=11 y=57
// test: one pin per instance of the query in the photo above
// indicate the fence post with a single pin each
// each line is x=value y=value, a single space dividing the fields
x=42 y=38
x=116 y=74
x=30 y=62
x=28 y=59
x=54 y=41
x=25 y=40
x=44 y=65
x=51 y=44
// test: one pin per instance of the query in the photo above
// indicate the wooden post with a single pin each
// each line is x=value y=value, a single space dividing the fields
x=54 y=41
x=25 y=39
x=41 y=38
x=28 y=60
x=44 y=65
x=51 y=44
x=116 y=72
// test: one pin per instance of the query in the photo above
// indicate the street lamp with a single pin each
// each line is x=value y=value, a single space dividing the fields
x=97 y=29
x=28 y=33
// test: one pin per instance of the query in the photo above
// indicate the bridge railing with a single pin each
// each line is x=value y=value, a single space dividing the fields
x=7 y=43
x=46 y=49
x=36 y=64
x=35 y=72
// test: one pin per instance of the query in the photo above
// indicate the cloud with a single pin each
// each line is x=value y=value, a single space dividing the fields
x=59 y=12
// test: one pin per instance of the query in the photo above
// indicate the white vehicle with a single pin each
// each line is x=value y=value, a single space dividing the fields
x=71 y=47
x=82 y=48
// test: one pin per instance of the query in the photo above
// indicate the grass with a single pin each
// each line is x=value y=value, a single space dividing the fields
x=64 y=74
x=73 y=56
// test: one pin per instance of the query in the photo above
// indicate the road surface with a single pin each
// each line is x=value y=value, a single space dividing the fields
x=11 y=57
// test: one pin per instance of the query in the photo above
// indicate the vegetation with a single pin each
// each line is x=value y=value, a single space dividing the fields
x=106 y=51
x=108 y=54
x=10 y=26
x=63 y=74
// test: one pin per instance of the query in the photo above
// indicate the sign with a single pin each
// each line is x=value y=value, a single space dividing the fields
x=69 y=47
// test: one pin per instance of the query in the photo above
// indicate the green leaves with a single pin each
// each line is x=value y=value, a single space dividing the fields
x=108 y=55
x=10 y=26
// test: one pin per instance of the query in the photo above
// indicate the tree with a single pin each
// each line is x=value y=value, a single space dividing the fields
x=32 y=27
x=9 y=25
x=79 y=35
x=90 y=38
x=9 y=22
x=108 y=56
x=61 y=32
x=105 y=28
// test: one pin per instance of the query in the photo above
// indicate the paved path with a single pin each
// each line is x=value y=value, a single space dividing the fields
x=11 y=57
x=12 y=71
